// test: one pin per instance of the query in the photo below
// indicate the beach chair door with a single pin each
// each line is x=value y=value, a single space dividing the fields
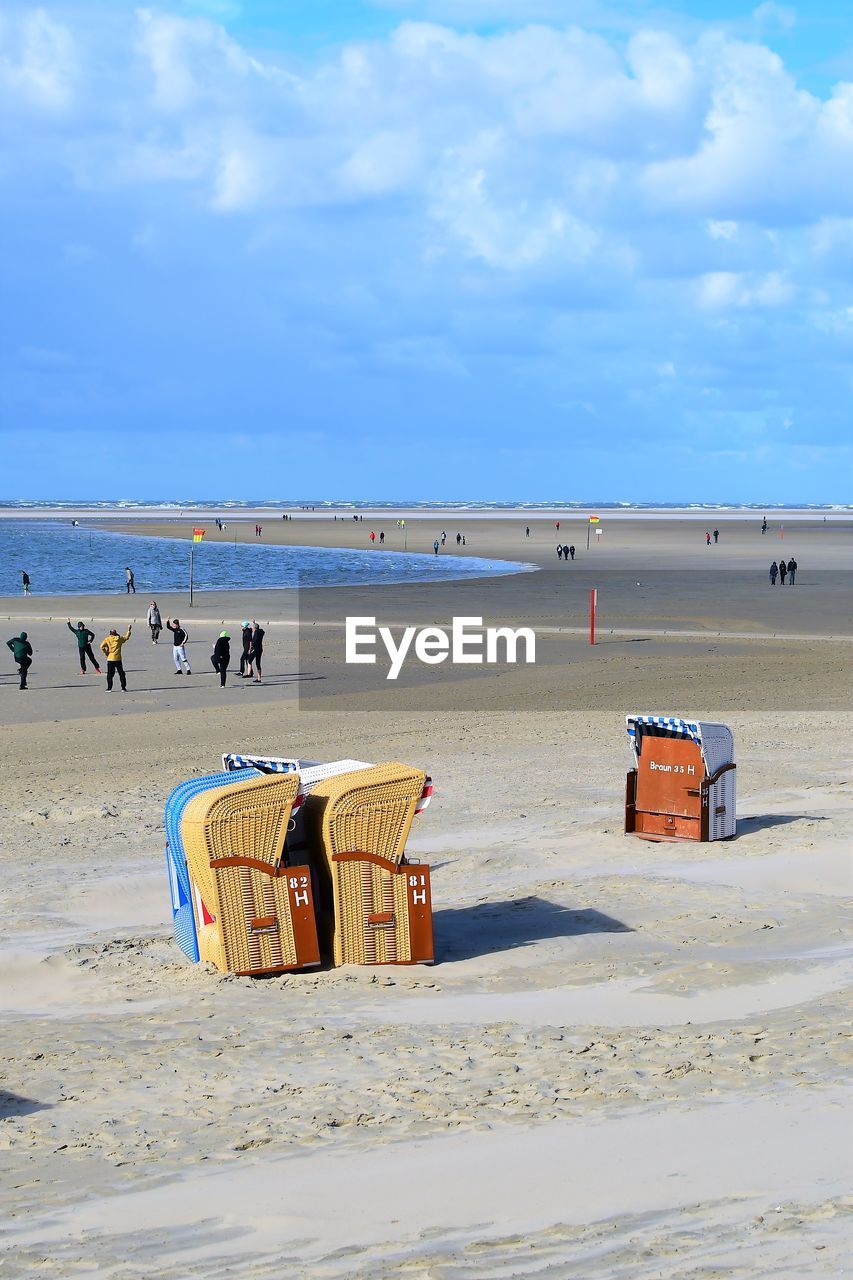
x=669 y=781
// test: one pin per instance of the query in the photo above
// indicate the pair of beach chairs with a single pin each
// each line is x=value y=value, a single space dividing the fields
x=275 y=864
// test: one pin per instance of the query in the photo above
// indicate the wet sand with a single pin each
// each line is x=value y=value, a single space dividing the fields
x=630 y=1059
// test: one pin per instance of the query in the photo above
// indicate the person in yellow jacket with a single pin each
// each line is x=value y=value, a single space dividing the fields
x=111 y=647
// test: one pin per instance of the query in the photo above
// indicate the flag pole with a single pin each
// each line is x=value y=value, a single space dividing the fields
x=192 y=551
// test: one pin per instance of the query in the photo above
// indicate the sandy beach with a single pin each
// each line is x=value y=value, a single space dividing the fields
x=630 y=1059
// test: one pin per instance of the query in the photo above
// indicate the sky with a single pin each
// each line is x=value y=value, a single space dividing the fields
x=411 y=249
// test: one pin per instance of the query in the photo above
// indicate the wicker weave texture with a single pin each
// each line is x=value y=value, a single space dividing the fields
x=368 y=811
x=246 y=821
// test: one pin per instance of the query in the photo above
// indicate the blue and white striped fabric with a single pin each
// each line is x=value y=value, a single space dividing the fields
x=183 y=920
x=666 y=727
x=231 y=761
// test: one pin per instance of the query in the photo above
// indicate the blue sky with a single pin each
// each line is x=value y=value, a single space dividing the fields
x=427 y=248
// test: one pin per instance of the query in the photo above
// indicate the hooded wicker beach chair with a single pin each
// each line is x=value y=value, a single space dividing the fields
x=682 y=785
x=254 y=914
x=357 y=824
x=183 y=916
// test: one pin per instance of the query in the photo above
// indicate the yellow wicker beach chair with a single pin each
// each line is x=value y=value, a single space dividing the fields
x=358 y=824
x=253 y=915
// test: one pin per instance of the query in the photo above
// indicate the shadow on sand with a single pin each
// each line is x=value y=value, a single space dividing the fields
x=12 y=1104
x=465 y=932
x=764 y=821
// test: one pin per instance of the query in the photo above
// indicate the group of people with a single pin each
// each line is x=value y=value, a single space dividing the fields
x=251 y=659
x=784 y=571
x=708 y=535
x=565 y=553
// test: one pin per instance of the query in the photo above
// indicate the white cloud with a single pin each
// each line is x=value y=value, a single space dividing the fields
x=771 y=17
x=728 y=290
x=721 y=230
x=37 y=61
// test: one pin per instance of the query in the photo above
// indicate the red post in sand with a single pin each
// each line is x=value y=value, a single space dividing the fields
x=593 y=603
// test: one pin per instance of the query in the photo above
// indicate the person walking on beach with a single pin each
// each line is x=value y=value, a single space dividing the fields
x=764 y=525
x=84 y=639
x=435 y=546
x=559 y=550
x=256 y=652
x=565 y=553
x=783 y=569
x=22 y=652
x=25 y=583
x=572 y=551
x=246 y=637
x=155 y=622
x=131 y=585
x=221 y=656
x=179 y=652
x=111 y=647
x=372 y=537
x=443 y=536
x=707 y=538
x=527 y=531
x=381 y=536
x=459 y=539
x=774 y=573
x=716 y=535
x=792 y=571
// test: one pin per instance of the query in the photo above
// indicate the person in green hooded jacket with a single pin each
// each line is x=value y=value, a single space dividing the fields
x=84 y=645
x=22 y=652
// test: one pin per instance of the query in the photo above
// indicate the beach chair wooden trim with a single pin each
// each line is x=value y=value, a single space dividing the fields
x=235 y=860
x=366 y=857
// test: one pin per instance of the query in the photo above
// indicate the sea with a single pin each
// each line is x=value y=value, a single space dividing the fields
x=65 y=560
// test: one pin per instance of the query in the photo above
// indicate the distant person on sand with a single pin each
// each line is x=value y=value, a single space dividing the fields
x=111 y=647
x=783 y=570
x=565 y=553
x=131 y=585
x=774 y=573
x=256 y=652
x=559 y=550
x=572 y=551
x=716 y=535
x=527 y=531
x=381 y=536
x=459 y=539
x=246 y=637
x=435 y=546
x=372 y=536
x=764 y=525
x=25 y=583
x=84 y=639
x=221 y=656
x=792 y=571
x=179 y=652
x=707 y=538
x=443 y=536
x=155 y=622
x=22 y=652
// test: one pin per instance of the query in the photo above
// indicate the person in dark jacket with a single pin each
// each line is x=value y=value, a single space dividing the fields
x=256 y=652
x=559 y=550
x=179 y=641
x=221 y=656
x=783 y=570
x=566 y=552
x=572 y=551
x=245 y=660
x=774 y=573
x=22 y=652
x=84 y=638
x=792 y=571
